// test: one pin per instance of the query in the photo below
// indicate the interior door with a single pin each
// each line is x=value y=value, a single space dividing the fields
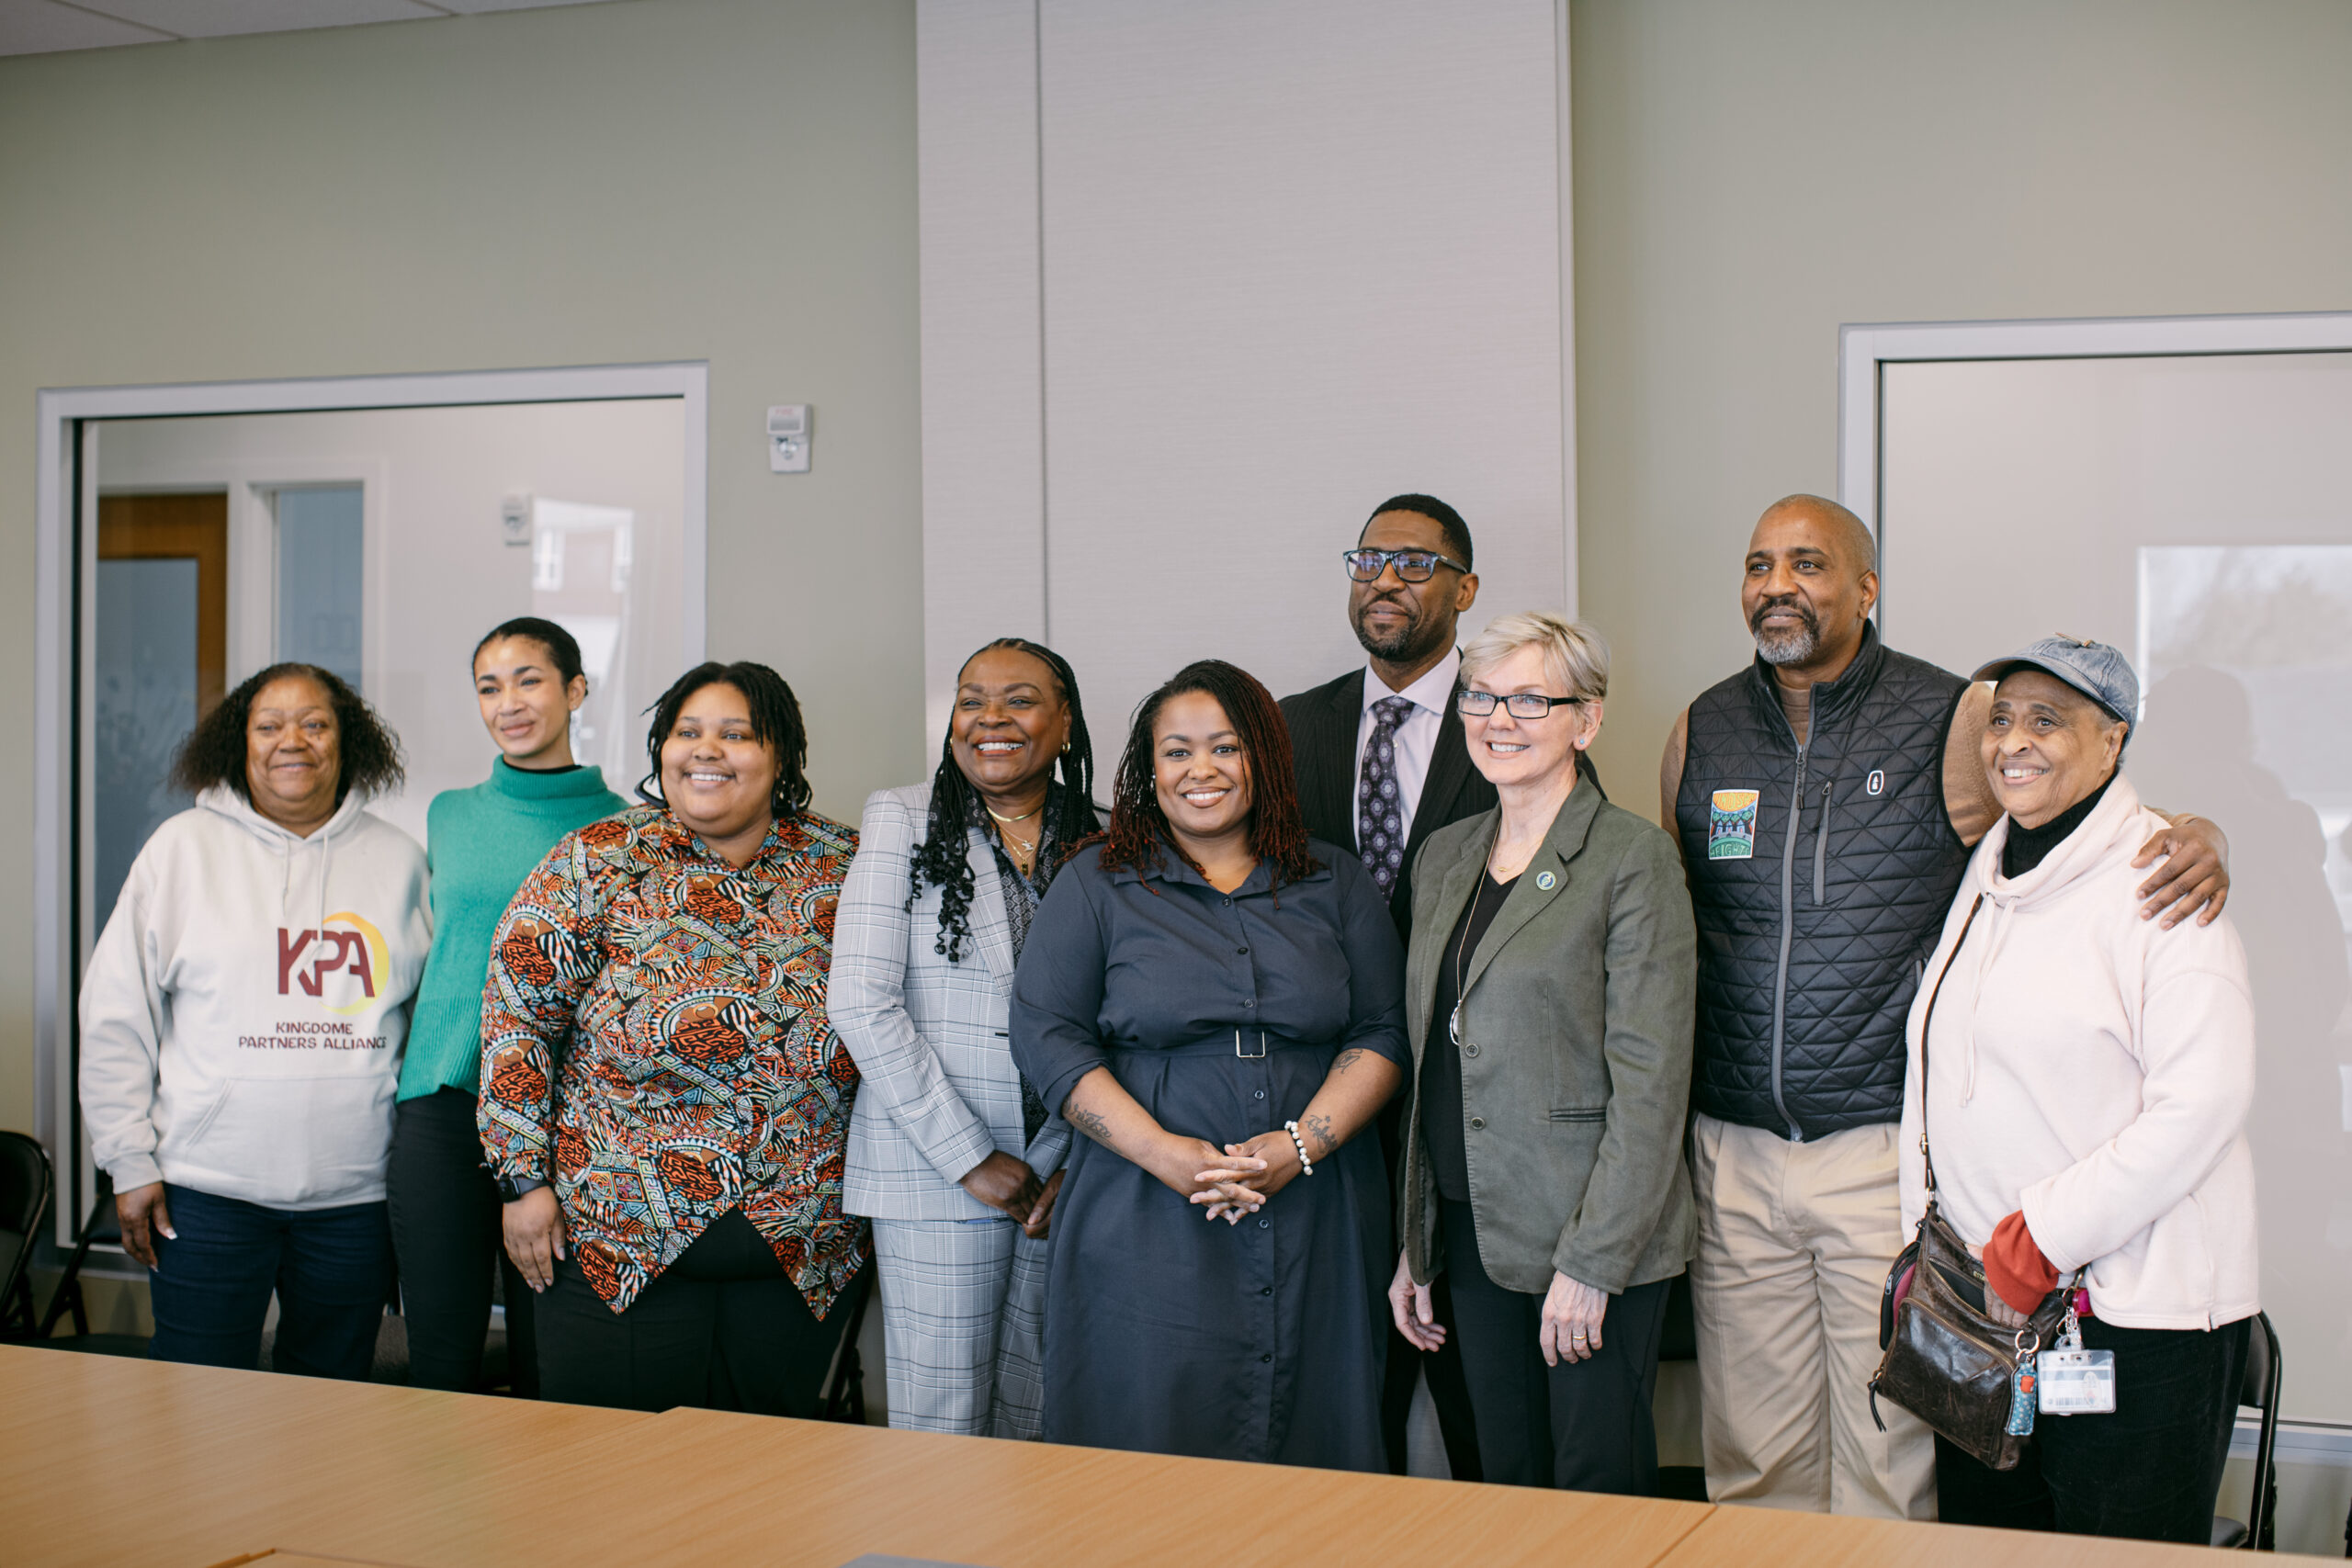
x=161 y=643
x=2194 y=509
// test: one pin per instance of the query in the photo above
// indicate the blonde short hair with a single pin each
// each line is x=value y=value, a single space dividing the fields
x=1574 y=655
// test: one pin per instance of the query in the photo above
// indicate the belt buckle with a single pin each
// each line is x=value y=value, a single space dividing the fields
x=1259 y=1054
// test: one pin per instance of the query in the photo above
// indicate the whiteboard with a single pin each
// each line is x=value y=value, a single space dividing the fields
x=2196 y=510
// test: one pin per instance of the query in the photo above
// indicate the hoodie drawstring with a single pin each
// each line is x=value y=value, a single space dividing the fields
x=2002 y=909
x=286 y=844
x=326 y=863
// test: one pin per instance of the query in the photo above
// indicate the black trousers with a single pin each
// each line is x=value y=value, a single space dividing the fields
x=1449 y=1389
x=1582 y=1425
x=1449 y=1392
x=721 y=1328
x=448 y=1233
x=2149 y=1471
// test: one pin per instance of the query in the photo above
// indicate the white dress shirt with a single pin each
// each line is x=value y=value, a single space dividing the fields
x=1431 y=695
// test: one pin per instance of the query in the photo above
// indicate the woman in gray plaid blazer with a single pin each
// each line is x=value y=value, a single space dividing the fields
x=951 y=1153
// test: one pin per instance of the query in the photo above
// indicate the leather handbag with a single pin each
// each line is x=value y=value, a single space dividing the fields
x=1944 y=1360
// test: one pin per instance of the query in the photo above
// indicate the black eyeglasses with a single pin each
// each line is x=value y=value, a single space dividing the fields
x=1413 y=566
x=1522 y=704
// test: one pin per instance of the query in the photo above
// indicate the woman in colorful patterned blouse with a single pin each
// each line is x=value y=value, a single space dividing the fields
x=655 y=1044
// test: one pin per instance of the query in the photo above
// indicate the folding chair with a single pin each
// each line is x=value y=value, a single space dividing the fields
x=845 y=1380
x=2260 y=1391
x=102 y=1225
x=24 y=1198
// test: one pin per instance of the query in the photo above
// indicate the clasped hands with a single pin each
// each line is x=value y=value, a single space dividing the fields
x=1007 y=1184
x=1231 y=1182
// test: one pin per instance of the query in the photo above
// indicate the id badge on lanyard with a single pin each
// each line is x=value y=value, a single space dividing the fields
x=2075 y=1381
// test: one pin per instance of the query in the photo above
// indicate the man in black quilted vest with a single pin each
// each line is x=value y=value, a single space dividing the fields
x=1826 y=799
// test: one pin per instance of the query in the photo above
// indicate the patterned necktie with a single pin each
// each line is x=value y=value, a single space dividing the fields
x=1380 y=813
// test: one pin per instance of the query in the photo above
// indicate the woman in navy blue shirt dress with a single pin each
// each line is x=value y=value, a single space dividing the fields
x=1194 y=984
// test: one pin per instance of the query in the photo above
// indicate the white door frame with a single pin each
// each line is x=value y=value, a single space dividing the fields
x=61 y=490
x=1863 y=347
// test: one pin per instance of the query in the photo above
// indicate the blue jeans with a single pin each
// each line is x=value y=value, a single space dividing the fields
x=331 y=1268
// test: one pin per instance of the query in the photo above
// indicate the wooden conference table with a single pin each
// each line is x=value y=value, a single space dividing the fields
x=110 y=1462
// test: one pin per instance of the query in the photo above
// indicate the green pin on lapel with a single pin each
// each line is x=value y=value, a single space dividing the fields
x=1546 y=881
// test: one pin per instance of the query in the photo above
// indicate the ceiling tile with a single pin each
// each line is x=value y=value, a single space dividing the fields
x=218 y=18
x=36 y=27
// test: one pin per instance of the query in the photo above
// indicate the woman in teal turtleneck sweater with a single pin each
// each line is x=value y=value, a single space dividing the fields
x=480 y=843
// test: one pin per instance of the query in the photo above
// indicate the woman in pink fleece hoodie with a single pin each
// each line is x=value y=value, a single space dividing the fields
x=2085 y=1088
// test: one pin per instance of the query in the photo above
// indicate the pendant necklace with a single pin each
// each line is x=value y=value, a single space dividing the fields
x=1461 y=951
x=1023 y=847
x=1024 y=851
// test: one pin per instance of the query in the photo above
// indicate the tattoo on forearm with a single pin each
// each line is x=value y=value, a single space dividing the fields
x=1090 y=1123
x=1321 y=1126
x=1345 y=1060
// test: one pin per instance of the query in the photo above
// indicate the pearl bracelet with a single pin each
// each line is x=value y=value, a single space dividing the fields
x=1305 y=1164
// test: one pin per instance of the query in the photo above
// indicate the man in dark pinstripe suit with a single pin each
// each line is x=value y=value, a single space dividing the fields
x=1417 y=551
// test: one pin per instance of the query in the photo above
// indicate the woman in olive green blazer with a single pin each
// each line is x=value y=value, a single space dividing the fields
x=1549 y=993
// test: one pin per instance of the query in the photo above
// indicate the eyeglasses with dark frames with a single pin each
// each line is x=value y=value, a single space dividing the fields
x=1521 y=704
x=1412 y=566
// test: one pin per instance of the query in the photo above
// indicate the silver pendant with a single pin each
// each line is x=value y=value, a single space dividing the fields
x=1453 y=1025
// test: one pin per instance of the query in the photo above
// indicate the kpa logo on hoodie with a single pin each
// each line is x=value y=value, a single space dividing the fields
x=313 y=962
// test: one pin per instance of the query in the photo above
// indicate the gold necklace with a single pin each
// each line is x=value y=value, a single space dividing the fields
x=1023 y=818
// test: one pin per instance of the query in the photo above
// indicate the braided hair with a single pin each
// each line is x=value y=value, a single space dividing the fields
x=1139 y=830
x=941 y=857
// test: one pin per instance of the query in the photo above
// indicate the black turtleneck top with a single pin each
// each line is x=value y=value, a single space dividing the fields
x=2028 y=847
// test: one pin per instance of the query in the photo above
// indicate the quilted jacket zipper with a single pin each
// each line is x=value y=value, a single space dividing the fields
x=1788 y=935
x=1821 y=852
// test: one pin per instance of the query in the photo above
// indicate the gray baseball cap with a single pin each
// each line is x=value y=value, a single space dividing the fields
x=2099 y=672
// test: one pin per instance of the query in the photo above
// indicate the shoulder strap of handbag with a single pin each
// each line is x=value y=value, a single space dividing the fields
x=1927 y=1026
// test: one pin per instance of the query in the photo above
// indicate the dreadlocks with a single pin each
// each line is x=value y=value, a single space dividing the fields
x=1139 y=830
x=942 y=858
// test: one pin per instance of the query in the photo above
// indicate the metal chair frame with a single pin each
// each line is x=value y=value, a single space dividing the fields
x=68 y=1295
x=844 y=1386
x=2259 y=1390
x=17 y=1317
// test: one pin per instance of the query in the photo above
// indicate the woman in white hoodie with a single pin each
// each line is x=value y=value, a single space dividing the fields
x=242 y=1024
x=2086 y=1077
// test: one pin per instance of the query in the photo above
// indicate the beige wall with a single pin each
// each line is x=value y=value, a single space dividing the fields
x=1747 y=177
x=728 y=180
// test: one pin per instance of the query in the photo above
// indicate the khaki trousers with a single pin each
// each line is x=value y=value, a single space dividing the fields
x=1795 y=1241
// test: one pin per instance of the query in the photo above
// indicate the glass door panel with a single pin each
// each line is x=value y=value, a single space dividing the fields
x=322 y=578
x=161 y=655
